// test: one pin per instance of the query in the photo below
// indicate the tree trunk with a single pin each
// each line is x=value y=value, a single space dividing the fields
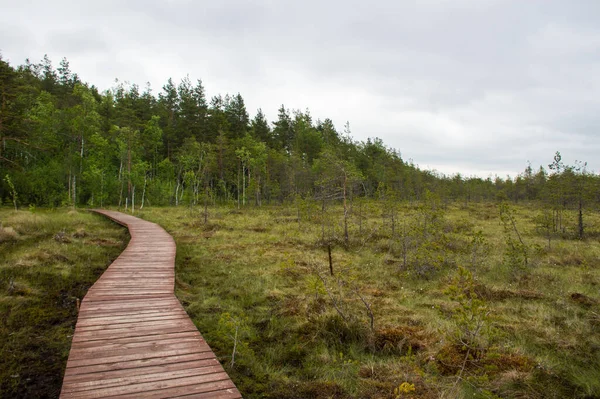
x=330 y=260
x=243 y=185
x=81 y=156
x=144 y=191
x=121 y=180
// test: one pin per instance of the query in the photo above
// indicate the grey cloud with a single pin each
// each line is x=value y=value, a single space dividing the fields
x=80 y=41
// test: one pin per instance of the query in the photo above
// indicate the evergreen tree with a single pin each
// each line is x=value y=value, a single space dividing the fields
x=237 y=117
x=169 y=107
x=260 y=129
x=282 y=131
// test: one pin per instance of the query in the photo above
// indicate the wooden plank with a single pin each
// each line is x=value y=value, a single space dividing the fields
x=162 y=368
x=133 y=338
x=137 y=326
x=140 y=339
x=137 y=364
x=113 y=318
x=212 y=390
x=138 y=312
x=142 y=390
x=95 y=336
x=147 y=377
x=149 y=349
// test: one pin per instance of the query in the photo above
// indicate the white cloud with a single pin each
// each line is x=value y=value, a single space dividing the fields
x=467 y=86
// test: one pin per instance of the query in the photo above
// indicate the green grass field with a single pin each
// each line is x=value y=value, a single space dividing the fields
x=441 y=307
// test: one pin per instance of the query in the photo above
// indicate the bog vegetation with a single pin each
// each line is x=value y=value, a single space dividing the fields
x=425 y=300
x=48 y=260
x=316 y=266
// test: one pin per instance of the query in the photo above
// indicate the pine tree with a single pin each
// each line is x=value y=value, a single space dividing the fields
x=169 y=104
x=260 y=129
x=282 y=131
x=237 y=116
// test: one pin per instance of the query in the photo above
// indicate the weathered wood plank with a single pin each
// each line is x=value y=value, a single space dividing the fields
x=138 y=364
x=133 y=338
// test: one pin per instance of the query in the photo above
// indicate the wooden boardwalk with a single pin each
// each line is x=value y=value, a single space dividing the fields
x=133 y=338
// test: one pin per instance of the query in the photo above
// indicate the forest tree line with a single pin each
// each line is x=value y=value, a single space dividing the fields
x=62 y=142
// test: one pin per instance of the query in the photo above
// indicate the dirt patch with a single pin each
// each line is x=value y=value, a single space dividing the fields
x=258 y=229
x=583 y=300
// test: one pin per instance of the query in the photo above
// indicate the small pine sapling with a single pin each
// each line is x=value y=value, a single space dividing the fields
x=516 y=252
x=471 y=317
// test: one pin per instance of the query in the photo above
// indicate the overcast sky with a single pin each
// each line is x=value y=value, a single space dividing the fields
x=478 y=87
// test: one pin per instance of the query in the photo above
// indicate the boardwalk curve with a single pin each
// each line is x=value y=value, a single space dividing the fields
x=133 y=339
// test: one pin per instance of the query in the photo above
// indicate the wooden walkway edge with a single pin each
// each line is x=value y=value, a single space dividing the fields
x=133 y=339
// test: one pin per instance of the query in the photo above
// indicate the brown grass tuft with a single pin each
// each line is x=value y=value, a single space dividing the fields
x=8 y=234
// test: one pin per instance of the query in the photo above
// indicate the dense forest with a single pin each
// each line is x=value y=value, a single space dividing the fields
x=65 y=143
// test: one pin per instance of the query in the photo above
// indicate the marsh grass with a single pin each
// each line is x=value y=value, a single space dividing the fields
x=542 y=335
x=265 y=272
x=48 y=260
